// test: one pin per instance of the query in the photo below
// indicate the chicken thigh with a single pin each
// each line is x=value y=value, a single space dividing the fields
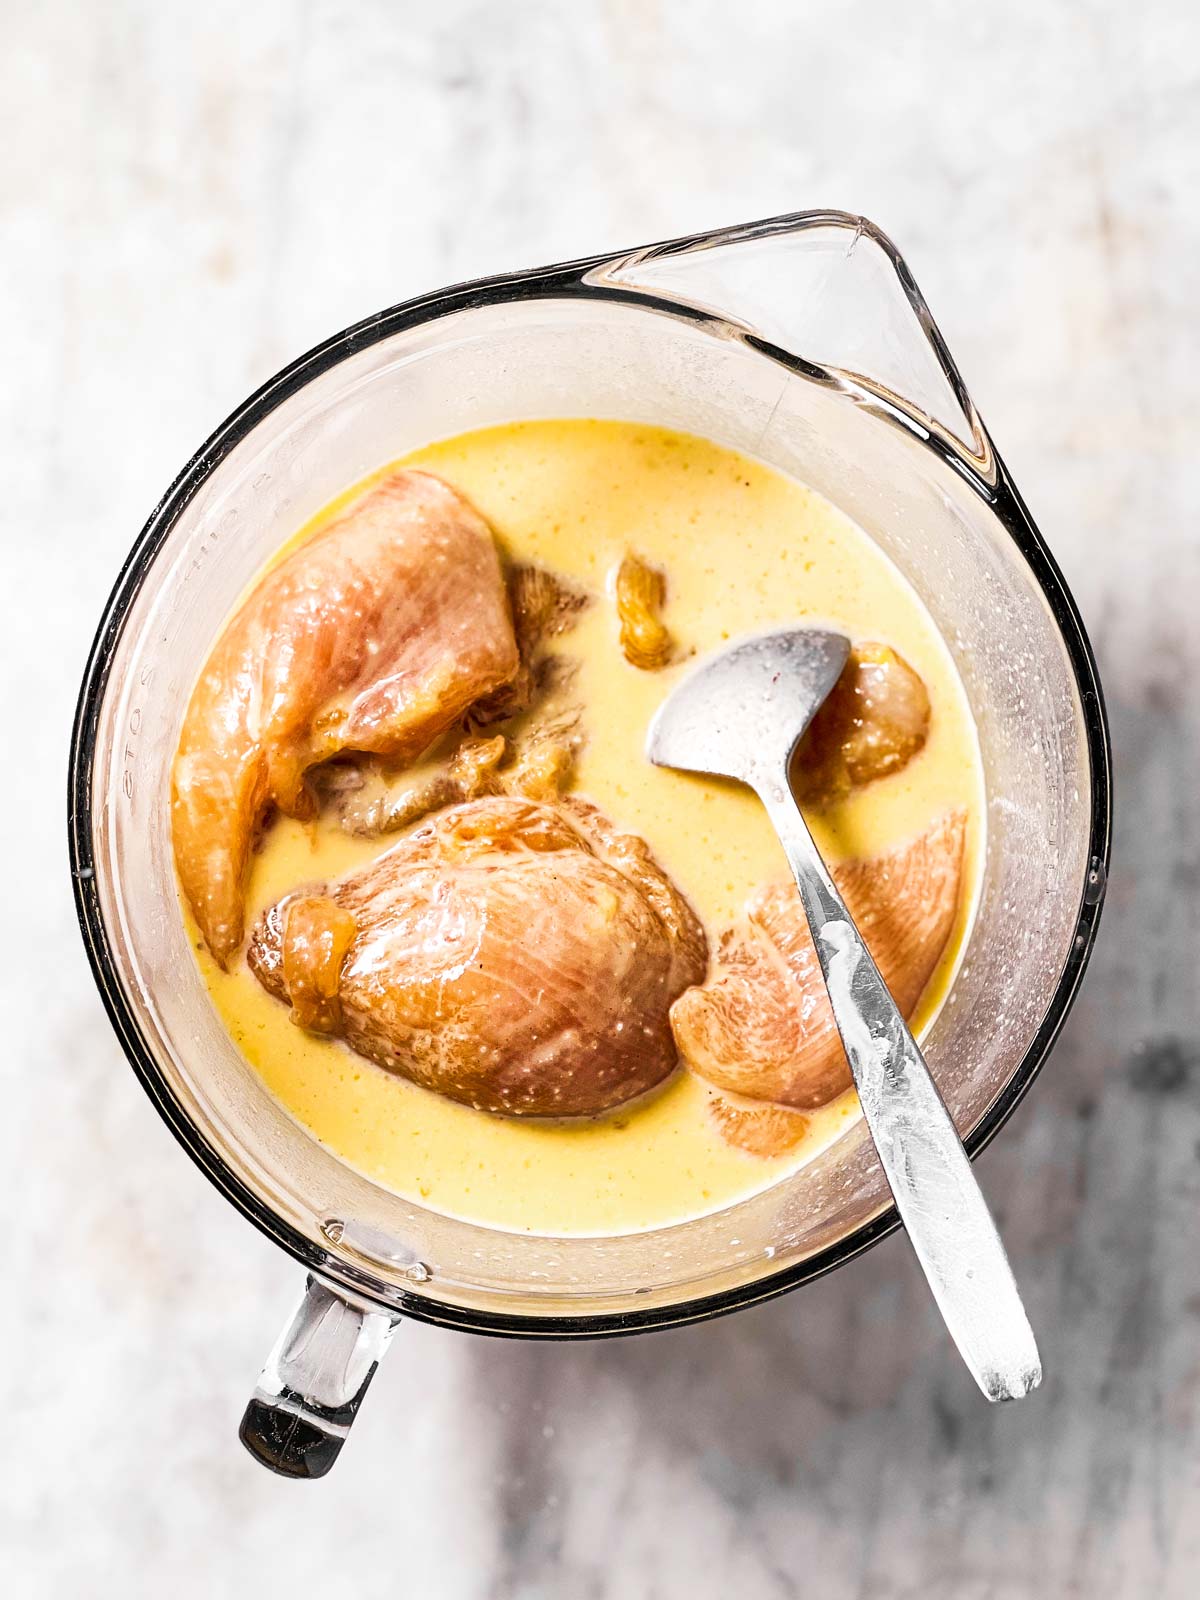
x=520 y=957
x=374 y=636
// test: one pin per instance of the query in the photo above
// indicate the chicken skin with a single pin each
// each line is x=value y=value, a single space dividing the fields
x=874 y=721
x=761 y=1026
x=520 y=957
x=374 y=636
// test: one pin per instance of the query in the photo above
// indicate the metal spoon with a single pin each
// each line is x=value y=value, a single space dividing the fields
x=741 y=714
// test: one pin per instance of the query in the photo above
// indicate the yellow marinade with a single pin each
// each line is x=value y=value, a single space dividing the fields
x=743 y=547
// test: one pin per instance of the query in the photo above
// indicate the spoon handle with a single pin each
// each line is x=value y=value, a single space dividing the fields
x=939 y=1201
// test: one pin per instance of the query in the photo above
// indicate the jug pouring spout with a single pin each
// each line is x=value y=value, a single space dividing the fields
x=827 y=293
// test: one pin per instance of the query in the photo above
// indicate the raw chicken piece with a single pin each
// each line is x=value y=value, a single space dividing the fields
x=544 y=606
x=874 y=721
x=756 y=1126
x=314 y=948
x=375 y=635
x=537 y=762
x=545 y=754
x=516 y=956
x=761 y=1025
x=641 y=593
x=367 y=804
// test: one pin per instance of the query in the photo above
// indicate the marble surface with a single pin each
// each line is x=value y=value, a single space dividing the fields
x=191 y=195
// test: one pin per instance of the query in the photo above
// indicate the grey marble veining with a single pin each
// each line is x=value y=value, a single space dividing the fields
x=191 y=195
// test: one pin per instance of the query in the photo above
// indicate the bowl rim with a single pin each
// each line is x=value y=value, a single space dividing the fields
x=584 y=279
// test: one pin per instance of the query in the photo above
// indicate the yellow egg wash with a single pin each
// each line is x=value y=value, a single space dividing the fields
x=742 y=547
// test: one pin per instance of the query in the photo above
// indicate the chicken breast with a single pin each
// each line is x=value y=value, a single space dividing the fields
x=375 y=635
x=761 y=1026
x=520 y=957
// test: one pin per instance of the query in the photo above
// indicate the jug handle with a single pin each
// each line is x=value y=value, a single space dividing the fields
x=313 y=1383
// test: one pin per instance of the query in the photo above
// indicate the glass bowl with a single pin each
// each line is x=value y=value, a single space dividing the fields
x=802 y=341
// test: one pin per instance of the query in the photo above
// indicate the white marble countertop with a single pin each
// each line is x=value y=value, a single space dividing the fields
x=191 y=196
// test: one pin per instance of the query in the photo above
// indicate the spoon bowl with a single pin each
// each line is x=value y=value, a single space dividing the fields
x=742 y=712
